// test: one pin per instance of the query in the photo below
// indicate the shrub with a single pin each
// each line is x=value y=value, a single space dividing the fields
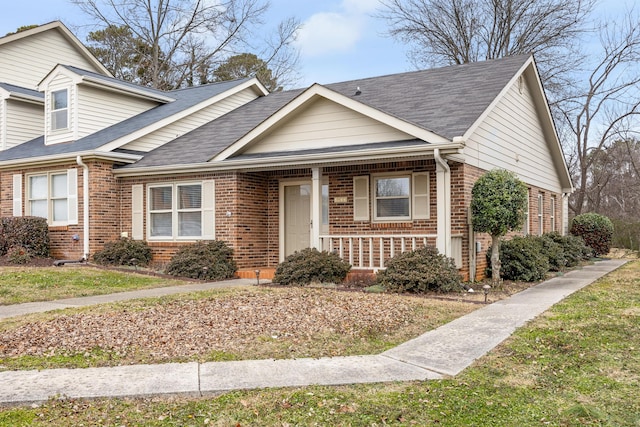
x=211 y=260
x=420 y=271
x=554 y=252
x=18 y=255
x=596 y=231
x=28 y=232
x=311 y=266
x=124 y=251
x=522 y=259
x=573 y=248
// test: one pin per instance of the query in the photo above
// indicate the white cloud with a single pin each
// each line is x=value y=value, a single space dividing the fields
x=335 y=32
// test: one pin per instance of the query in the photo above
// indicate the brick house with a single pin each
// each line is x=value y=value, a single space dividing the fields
x=367 y=168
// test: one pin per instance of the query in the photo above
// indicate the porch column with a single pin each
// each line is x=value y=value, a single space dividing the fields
x=443 y=199
x=316 y=207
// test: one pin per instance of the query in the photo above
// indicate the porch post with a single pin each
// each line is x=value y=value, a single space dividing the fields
x=316 y=207
x=443 y=198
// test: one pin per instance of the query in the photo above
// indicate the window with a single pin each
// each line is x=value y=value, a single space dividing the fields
x=552 y=213
x=59 y=110
x=53 y=196
x=540 y=215
x=176 y=211
x=392 y=198
x=525 y=227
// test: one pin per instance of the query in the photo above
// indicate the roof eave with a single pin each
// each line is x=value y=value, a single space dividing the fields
x=59 y=158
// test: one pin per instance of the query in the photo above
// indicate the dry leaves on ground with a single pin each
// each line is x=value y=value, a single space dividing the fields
x=188 y=328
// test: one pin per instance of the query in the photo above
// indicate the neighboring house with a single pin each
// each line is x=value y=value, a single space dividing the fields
x=367 y=168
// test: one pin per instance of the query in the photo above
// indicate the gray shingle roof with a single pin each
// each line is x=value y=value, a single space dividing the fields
x=184 y=98
x=21 y=90
x=446 y=101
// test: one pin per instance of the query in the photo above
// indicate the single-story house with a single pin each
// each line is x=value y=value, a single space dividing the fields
x=367 y=168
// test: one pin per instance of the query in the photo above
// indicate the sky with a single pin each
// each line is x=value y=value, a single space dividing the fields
x=340 y=39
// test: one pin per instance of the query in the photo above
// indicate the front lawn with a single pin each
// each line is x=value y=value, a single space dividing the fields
x=576 y=365
x=29 y=284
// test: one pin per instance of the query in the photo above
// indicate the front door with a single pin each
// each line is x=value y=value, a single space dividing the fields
x=296 y=217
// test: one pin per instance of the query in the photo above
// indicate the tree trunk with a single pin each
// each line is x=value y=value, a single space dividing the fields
x=495 y=260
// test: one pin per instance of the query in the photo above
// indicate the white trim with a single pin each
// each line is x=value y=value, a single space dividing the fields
x=72 y=197
x=374 y=198
x=309 y=95
x=175 y=211
x=17 y=194
x=137 y=212
x=365 y=215
x=418 y=198
x=58 y=158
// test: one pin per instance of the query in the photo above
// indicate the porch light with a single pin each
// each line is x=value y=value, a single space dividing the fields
x=486 y=292
x=257 y=277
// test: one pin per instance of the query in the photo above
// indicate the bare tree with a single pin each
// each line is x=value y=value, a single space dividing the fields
x=445 y=32
x=605 y=109
x=184 y=40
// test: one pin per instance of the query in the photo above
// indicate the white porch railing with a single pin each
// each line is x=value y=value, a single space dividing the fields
x=370 y=252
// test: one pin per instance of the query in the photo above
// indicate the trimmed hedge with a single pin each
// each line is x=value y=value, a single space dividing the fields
x=29 y=233
x=124 y=251
x=311 y=266
x=212 y=260
x=420 y=271
x=596 y=231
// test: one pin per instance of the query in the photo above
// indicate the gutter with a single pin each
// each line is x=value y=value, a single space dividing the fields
x=293 y=160
x=57 y=158
x=85 y=209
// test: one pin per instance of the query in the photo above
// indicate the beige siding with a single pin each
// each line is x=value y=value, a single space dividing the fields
x=180 y=127
x=325 y=124
x=24 y=122
x=98 y=109
x=511 y=137
x=27 y=61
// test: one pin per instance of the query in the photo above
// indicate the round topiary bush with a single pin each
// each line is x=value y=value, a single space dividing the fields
x=311 y=266
x=211 y=260
x=522 y=259
x=422 y=270
x=596 y=231
x=124 y=251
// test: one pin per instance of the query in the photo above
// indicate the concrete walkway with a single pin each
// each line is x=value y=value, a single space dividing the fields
x=445 y=351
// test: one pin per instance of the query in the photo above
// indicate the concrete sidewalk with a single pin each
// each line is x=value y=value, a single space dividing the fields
x=445 y=351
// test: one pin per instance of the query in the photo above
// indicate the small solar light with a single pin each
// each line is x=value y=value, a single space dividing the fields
x=486 y=292
x=257 y=277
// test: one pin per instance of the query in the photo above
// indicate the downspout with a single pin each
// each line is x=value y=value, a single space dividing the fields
x=85 y=210
x=443 y=191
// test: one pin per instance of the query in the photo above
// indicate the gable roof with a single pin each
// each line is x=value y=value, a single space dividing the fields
x=183 y=100
x=444 y=101
x=21 y=92
x=68 y=35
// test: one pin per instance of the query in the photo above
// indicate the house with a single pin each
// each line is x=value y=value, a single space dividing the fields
x=367 y=168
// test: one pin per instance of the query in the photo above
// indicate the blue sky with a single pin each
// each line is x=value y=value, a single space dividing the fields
x=340 y=40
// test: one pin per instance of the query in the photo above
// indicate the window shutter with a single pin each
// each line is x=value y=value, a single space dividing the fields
x=137 y=212
x=420 y=201
x=72 y=196
x=17 y=194
x=361 y=198
x=208 y=210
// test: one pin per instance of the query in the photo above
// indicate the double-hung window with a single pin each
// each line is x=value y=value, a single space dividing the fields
x=175 y=211
x=552 y=214
x=392 y=198
x=540 y=214
x=52 y=196
x=59 y=109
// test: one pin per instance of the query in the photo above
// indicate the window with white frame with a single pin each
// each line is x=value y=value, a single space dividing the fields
x=540 y=214
x=525 y=227
x=59 y=109
x=392 y=197
x=552 y=213
x=48 y=197
x=175 y=211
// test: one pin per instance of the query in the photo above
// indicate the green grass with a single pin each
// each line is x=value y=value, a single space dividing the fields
x=577 y=365
x=24 y=284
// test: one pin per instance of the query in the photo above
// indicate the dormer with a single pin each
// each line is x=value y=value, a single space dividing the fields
x=21 y=115
x=79 y=103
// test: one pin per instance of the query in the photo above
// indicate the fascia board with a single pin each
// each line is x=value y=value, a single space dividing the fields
x=297 y=160
x=308 y=95
x=180 y=115
x=113 y=86
x=58 y=158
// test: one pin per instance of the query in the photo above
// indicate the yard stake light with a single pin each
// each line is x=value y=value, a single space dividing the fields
x=257 y=277
x=486 y=292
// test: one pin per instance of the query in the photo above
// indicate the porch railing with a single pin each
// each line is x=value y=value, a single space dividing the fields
x=370 y=252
